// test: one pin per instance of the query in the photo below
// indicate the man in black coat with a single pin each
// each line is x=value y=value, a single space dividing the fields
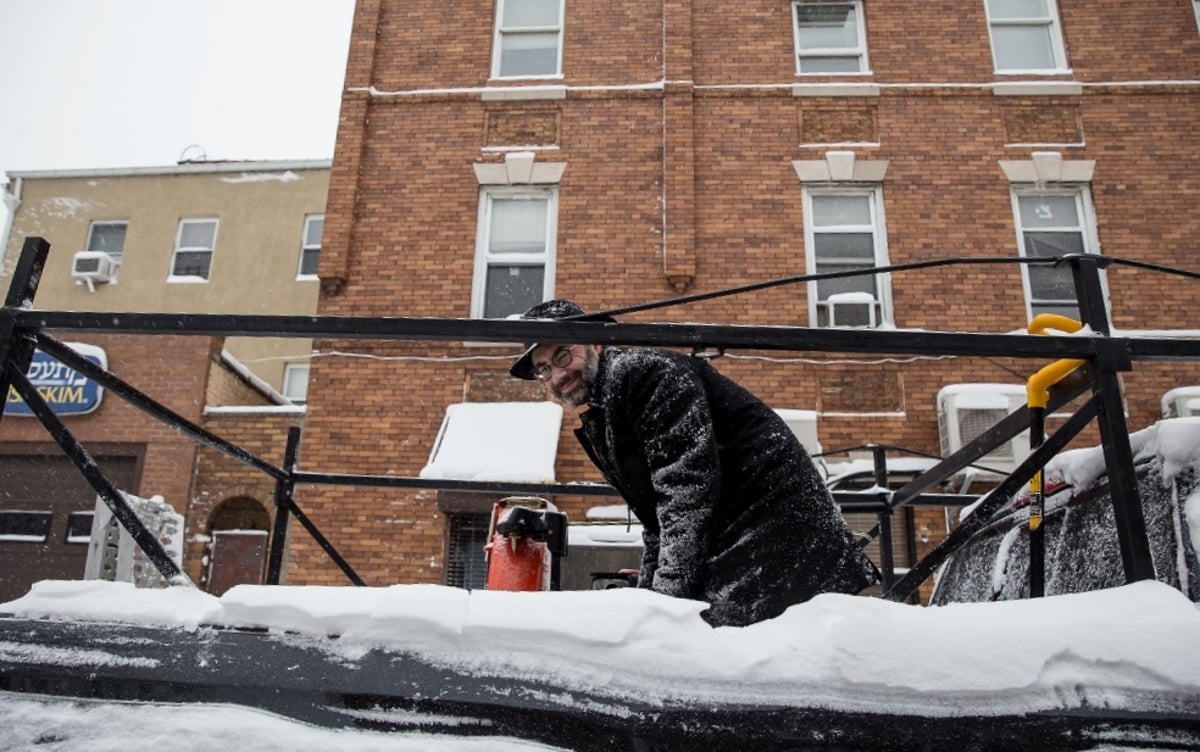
x=733 y=511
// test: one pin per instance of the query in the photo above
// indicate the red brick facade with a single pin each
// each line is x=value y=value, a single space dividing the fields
x=679 y=126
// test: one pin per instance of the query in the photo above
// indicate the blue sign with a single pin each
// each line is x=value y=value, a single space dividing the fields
x=67 y=391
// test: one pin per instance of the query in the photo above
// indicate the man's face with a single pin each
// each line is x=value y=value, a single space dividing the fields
x=567 y=371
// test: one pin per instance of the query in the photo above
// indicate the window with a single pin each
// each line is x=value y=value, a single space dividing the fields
x=1196 y=7
x=79 y=527
x=843 y=231
x=310 y=246
x=830 y=37
x=1049 y=224
x=514 y=264
x=528 y=40
x=194 y=243
x=1025 y=36
x=466 y=537
x=108 y=237
x=295 y=382
x=18 y=526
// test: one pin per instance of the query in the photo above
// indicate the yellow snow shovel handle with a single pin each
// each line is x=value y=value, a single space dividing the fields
x=1037 y=389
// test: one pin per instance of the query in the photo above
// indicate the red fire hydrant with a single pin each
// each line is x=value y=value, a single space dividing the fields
x=527 y=536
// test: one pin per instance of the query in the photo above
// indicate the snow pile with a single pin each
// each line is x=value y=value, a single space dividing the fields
x=497 y=441
x=836 y=651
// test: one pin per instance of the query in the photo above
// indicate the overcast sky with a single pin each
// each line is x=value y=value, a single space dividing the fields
x=129 y=83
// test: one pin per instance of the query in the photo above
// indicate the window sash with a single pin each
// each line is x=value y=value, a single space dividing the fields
x=528 y=41
x=1049 y=224
x=295 y=382
x=79 y=527
x=194 y=243
x=1025 y=35
x=827 y=47
x=310 y=245
x=108 y=237
x=843 y=231
x=515 y=256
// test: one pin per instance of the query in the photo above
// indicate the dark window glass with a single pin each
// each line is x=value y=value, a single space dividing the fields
x=24 y=526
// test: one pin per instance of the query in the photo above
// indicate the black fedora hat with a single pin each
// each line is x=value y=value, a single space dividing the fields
x=550 y=309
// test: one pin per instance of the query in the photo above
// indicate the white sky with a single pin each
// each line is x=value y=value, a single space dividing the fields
x=133 y=83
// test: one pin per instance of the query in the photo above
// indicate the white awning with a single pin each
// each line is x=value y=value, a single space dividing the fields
x=497 y=441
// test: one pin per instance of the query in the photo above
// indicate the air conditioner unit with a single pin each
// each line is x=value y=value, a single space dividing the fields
x=855 y=309
x=804 y=424
x=90 y=267
x=1181 y=402
x=967 y=410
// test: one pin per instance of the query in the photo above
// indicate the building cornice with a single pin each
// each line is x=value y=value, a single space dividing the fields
x=187 y=168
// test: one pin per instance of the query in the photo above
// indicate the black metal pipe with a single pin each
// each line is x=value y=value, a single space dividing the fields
x=487 y=487
x=16 y=349
x=148 y=405
x=106 y=490
x=690 y=335
x=1114 y=434
x=887 y=563
x=995 y=499
x=284 y=488
x=1037 y=533
x=1060 y=394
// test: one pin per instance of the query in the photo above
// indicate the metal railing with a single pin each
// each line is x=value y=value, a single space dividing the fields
x=23 y=328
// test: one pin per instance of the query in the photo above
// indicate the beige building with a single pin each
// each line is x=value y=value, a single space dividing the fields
x=222 y=237
x=198 y=237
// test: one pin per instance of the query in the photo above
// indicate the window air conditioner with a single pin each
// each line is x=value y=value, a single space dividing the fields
x=856 y=309
x=967 y=410
x=804 y=424
x=1181 y=402
x=90 y=267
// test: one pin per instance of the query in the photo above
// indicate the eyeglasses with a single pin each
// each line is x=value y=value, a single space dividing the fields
x=560 y=359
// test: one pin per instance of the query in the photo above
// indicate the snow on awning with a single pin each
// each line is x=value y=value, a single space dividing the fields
x=496 y=441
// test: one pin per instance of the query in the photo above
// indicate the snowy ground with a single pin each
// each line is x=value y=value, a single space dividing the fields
x=1112 y=648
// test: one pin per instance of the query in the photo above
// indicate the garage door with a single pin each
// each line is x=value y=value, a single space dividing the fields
x=46 y=517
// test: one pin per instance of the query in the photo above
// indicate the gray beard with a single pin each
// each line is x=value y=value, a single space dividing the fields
x=578 y=396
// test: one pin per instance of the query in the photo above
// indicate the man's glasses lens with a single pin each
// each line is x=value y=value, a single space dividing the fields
x=560 y=359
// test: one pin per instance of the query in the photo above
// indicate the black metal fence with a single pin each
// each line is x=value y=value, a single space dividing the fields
x=23 y=329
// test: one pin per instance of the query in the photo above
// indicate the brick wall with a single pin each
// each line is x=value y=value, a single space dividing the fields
x=220 y=478
x=705 y=197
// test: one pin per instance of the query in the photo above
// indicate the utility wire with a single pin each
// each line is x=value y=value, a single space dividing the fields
x=1104 y=261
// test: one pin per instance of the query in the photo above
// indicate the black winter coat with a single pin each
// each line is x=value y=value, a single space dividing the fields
x=732 y=509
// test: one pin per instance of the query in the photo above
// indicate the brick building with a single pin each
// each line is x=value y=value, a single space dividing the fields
x=199 y=237
x=491 y=155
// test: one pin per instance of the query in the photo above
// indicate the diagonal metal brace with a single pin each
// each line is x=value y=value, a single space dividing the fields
x=992 y=503
x=91 y=472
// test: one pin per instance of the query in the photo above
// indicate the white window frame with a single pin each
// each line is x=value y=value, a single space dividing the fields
x=1049 y=20
x=117 y=256
x=1086 y=226
x=1196 y=8
x=502 y=33
x=306 y=247
x=484 y=258
x=858 y=52
x=193 y=278
x=878 y=229
x=295 y=378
